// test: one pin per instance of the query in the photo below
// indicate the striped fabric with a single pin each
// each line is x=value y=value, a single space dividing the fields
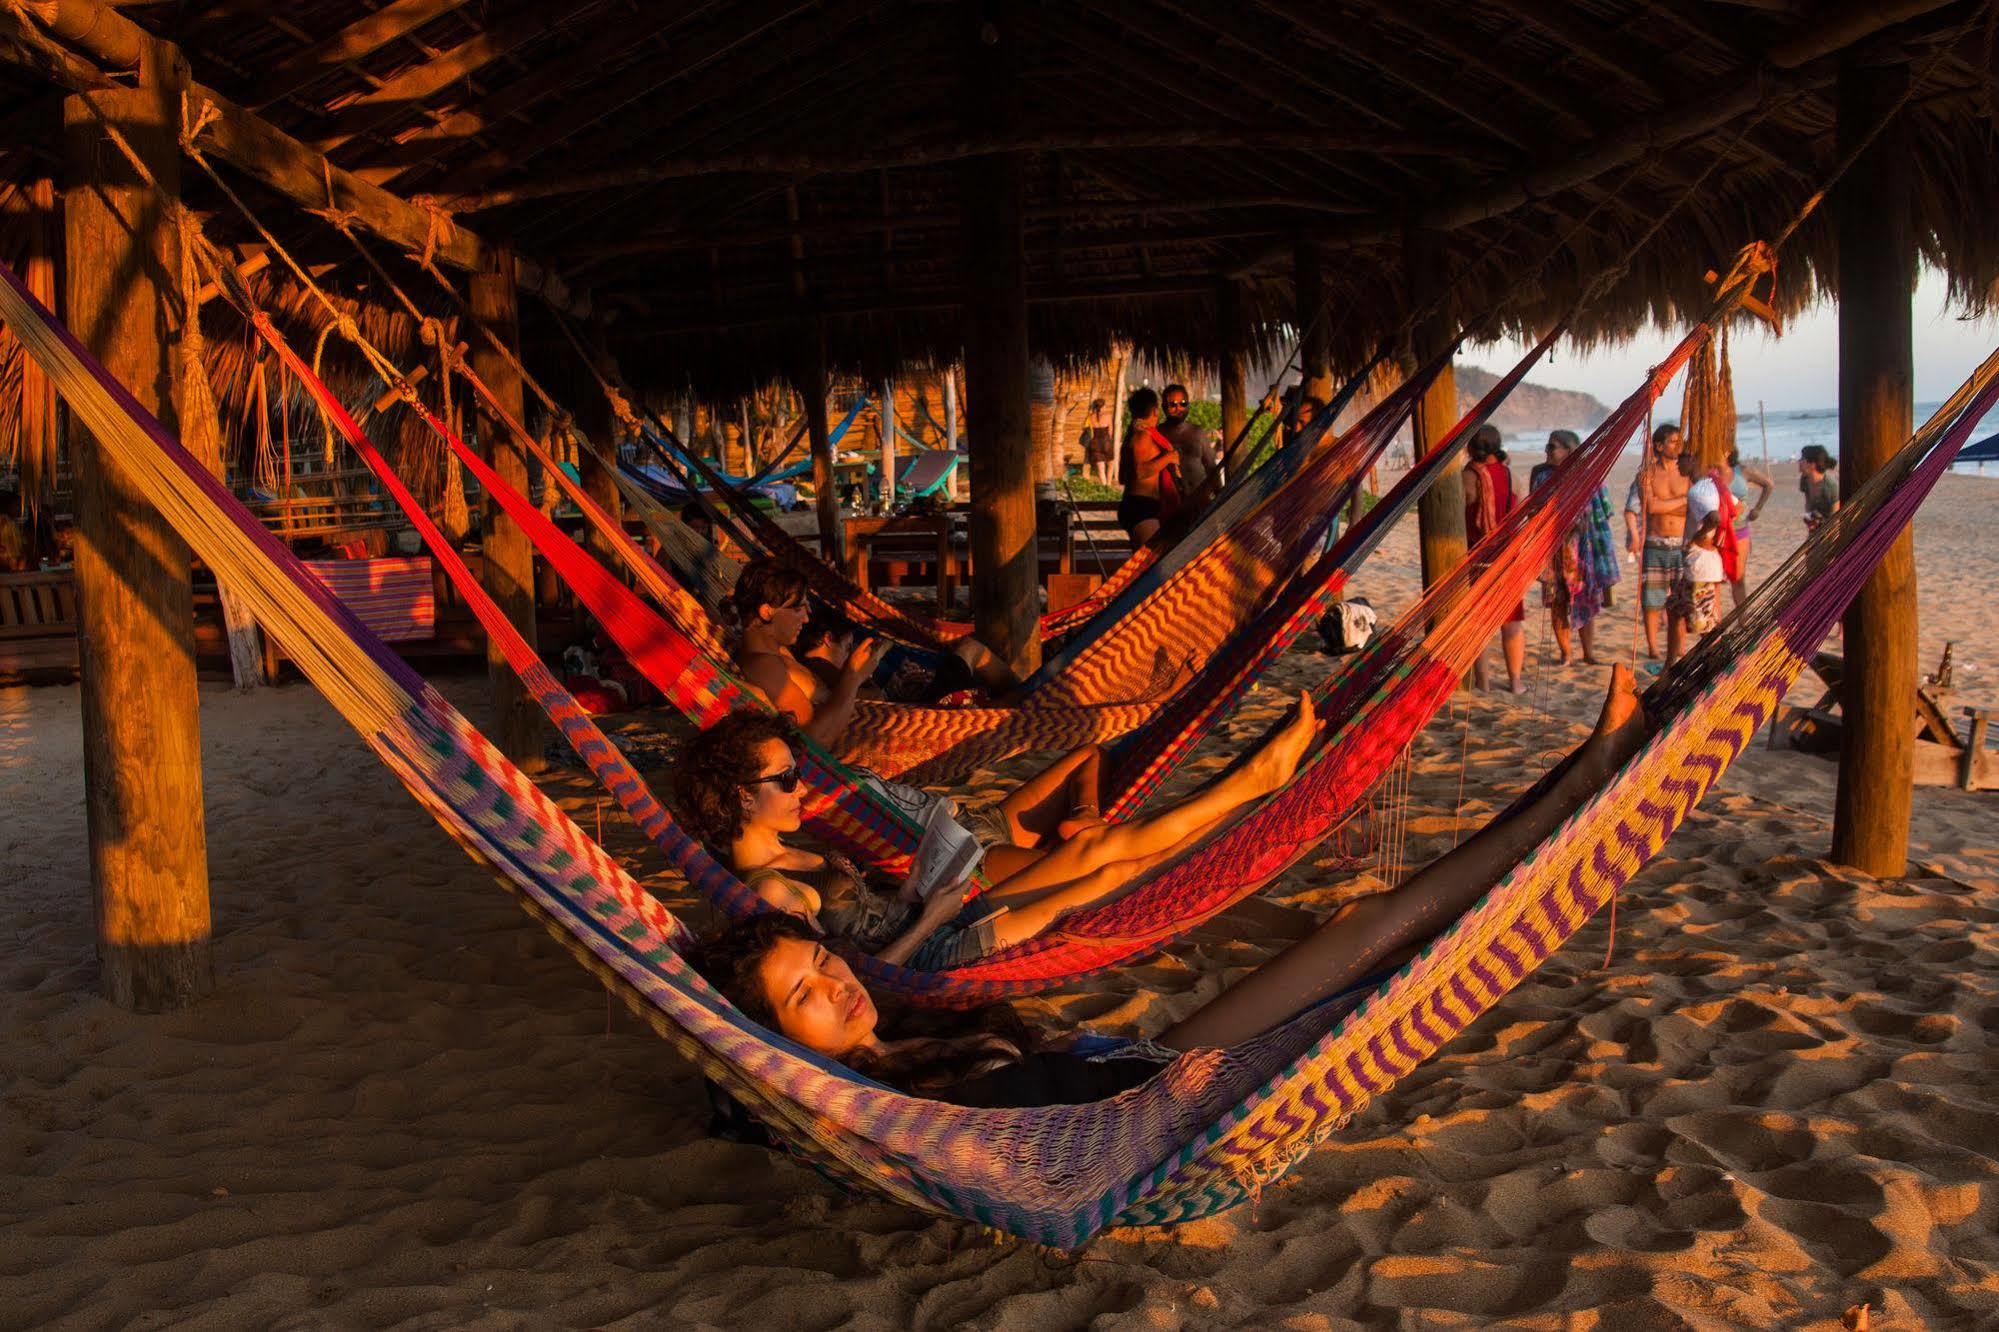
x=1213 y=1127
x=394 y=597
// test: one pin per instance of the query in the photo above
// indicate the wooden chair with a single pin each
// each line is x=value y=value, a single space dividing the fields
x=38 y=625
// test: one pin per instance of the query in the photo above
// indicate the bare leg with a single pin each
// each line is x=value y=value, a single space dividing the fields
x=1363 y=934
x=1143 y=532
x=1739 y=587
x=1558 y=620
x=1513 y=644
x=1093 y=848
x=1652 y=634
x=1038 y=806
x=1587 y=633
x=1676 y=639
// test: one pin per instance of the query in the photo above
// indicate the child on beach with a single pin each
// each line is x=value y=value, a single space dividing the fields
x=1706 y=576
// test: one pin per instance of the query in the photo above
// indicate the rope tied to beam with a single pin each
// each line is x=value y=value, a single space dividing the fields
x=440 y=226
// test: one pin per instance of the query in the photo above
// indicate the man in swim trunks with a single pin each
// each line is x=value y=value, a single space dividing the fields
x=1662 y=500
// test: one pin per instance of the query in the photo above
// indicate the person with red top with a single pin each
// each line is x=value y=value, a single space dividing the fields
x=1149 y=469
x=1488 y=500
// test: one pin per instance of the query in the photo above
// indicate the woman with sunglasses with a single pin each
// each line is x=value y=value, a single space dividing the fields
x=1047 y=850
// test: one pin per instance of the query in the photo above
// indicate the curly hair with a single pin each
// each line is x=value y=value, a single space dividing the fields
x=936 y=1050
x=717 y=764
x=765 y=581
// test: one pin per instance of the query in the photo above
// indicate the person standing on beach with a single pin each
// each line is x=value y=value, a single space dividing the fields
x=1662 y=504
x=1821 y=492
x=1577 y=585
x=1099 y=451
x=1149 y=470
x=1742 y=476
x=1488 y=500
x=1200 y=469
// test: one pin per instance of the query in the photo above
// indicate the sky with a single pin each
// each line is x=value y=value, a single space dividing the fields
x=1795 y=372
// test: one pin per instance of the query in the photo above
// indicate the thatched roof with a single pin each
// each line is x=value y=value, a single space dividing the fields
x=715 y=174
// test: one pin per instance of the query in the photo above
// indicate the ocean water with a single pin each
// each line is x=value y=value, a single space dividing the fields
x=1786 y=433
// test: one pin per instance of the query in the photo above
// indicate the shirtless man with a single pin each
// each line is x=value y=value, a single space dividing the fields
x=771 y=609
x=1662 y=499
x=1149 y=467
x=1200 y=468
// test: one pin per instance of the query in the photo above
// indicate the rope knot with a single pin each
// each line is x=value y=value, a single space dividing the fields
x=195 y=119
x=439 y=228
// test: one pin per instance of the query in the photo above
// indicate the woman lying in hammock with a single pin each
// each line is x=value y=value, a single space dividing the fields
x=770 y=608
x=1047 y=852
x=777 y=971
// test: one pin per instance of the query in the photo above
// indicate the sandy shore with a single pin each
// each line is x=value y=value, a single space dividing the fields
x=404 y=1105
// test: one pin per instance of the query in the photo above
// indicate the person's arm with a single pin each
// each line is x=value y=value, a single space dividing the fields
x=1765 y=488
x=937 y=911
x=833 y=716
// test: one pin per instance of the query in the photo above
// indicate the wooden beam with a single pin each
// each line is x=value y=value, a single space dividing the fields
x=620 y=91
x=143 y=809
x=1877 y=274
x=858 y=159
x=1315 y=332
x=390 y=165
x=363 y=36
x=508 y=558
x=1042 y=217
x=408 y=88
x=265 y=153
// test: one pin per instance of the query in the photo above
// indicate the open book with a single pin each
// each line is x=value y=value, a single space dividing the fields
x=946 y=856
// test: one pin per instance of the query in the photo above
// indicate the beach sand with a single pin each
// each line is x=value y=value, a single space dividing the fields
x=405 y=1106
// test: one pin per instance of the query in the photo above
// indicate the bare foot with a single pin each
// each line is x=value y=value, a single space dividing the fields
x=1516 y=686
x=1591 y=661
x=1280 y=757
x=1621 y=726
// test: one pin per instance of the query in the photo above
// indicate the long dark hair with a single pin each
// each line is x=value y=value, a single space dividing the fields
x=765 y=581
x=933 y=1051
x=716 y=765
x=1818 y=455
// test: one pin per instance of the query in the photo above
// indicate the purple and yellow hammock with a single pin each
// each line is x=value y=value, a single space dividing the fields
x=1213 y=1126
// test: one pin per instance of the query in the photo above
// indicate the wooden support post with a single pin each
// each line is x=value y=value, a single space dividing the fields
x=1877 y=273
x=1440 y=514
x=143 y=803
x=1232 y=363
x=1314 y=324
x=810 y=379
x=992 y=190
x=1041 y=419
x=508 y=571
x=596 y=463
x=888 y=445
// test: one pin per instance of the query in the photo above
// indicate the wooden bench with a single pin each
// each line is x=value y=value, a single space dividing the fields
x=1943 y=756
x=38 y=625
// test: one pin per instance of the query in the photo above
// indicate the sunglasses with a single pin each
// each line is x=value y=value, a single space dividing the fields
x=786 y=781
x=1172 y=403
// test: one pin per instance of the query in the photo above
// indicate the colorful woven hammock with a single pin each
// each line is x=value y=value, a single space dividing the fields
x=1212 y=1127
x=1380 y=707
